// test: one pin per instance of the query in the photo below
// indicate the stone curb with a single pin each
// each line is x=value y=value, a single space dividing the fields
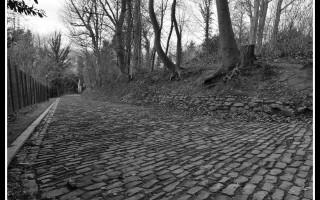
x=13 y=149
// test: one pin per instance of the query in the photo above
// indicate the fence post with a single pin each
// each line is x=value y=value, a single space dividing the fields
x=37 y=88
x=42 y=93
x=23 y=91
x=37 y=91
x=31 y=89
x=34 y=91
x=46 y=92
x=27 y=89
x=20 y=87
x=9 y=91
x=17 y=91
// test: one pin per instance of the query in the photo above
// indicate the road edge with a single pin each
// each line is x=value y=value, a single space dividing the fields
x=21 y=139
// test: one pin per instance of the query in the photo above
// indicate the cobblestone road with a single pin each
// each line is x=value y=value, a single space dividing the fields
x=101 y=150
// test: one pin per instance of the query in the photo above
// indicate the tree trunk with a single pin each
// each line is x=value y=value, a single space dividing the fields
x=169 y=37
x=205 y=9
x=147 y=48
x=152 y=58
x=240 y=29
x=247 y=55
x=157 y=31
x=207 y=26
x=276 y=24
x=254 y=22
x=229 y=50
x=137 y=34
x=119 y=38
x=230 y=55
x=178 y=34
x=262 y=21
x=128 y=40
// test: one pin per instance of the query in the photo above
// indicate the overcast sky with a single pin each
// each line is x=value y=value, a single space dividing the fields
x=54 y=20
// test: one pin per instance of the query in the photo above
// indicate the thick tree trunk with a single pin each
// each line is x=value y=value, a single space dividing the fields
x=229 y=50
x=230 y=55
x=166 y=61
x=276 y=24
x=262 y=21
x=247 y=55
x=254 y=22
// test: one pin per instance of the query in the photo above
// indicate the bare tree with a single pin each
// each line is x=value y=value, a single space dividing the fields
x=279 y=10
x=206 y=14
x=57 y=53
x=238 y=20
x=157 y=31
x=178 y=33
x=169 y=36
x=129 y=39
x=137 y=34
x=253 y=12
x=85 y=21
x=161 y=11
x=61 y=61
x=262 y=20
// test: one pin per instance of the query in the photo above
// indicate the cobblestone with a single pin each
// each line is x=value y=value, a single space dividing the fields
x=121 y=151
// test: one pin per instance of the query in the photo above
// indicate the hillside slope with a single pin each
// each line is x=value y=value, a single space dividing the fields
x=280 y=80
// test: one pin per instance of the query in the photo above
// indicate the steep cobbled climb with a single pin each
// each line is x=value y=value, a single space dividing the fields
x=102 y=150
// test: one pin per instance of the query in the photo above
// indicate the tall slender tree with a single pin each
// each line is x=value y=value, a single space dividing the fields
x=129 y=39
x=157 y=31
x=178 y=33
x=262 y=20
x=206 y=14
x=276 y=22
x=137 y=34
x=254 y=16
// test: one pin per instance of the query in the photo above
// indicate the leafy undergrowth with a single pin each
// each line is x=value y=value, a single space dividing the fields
x=281 y=80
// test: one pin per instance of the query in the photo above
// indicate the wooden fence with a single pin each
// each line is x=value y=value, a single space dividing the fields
x=23 y=90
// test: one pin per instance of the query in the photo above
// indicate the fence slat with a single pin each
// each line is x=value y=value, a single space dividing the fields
x=20 y=87
x=15 y=88
x=37 y=92
x=31 y=90
x=41 y=93
x=27 y=88
x=23 y=92
x=34 y=91
x=10 y=108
